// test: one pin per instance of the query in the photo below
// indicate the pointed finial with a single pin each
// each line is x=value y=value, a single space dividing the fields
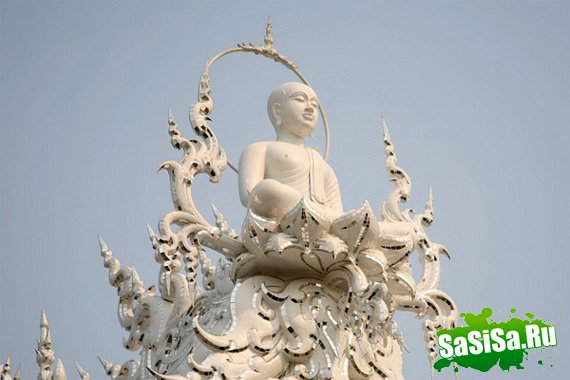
x=59 y=373
x=43 y=319
x=217 y=212
x=106 y=364
x=204 y=87
x=102 y=244
x=5 y=369
x=84 y=375
x=151 y=234
x=429 y=202
x=18 y=375
x=171 y=121
x=45 y=336
x=268 y=40
x=222 y=223
x=426 y=217
x=386 y=133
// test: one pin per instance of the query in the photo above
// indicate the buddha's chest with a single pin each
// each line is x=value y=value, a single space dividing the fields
x=286 y=158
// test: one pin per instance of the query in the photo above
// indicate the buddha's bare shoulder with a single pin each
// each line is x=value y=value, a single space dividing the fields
x=273 y=146
x=256 y=148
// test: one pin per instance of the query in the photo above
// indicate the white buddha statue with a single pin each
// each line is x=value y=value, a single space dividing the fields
x=275 y=175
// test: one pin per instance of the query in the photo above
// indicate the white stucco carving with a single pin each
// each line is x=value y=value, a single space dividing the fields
x=305 y=291
x=45 y=355
x=6 y=373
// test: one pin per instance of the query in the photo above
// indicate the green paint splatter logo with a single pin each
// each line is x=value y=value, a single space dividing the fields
x=482 y=344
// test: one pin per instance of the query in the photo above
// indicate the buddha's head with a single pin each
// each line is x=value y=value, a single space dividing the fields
x=293 y=109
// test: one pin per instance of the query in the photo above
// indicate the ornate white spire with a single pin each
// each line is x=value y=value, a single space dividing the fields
x=45 y=355
x=6 y=373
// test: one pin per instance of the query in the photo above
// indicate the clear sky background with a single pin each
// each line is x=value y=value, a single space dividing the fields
x=476 y=93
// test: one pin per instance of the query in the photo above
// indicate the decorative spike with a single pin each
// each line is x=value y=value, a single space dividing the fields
x=268 y=40
x=163 y=166
x=6 y=370
x=217 y=212
x=107 y=366
x=220 y=219
x=45 y=335
x=18 y=375
x=222 y=223
x=205 y=78
x=59 y=373
x=204 y=90
x=429 y=203
x=43 y=319
x=170 y=118
x=387 y=138
x=426 y=218
x=102 y=245
x=445 y=252
x=151 y=234
x=82 y=373
x=44 y=352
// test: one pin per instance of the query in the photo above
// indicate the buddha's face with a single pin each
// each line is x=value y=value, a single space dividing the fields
x=296 y=109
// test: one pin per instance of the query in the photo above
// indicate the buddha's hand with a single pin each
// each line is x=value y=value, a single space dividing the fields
x=272 y=199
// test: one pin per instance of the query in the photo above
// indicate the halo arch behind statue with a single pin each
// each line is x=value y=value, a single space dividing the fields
x=267 y=50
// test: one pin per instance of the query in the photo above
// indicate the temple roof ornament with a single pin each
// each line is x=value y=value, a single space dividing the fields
x=304 y=291
x=6 y=372
x=45 y=355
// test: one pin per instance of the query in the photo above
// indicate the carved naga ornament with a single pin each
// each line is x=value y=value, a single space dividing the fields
x=303 y=297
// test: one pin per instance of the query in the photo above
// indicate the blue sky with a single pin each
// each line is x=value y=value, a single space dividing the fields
x=476 y=95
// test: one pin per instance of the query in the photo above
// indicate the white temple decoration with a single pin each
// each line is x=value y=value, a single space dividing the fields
x=6 y=373
x=305 y=295
x=83 y=375
x=45 y=356
x=306 y=291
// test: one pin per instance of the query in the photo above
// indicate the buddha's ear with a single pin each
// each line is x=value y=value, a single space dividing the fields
x=276 y=110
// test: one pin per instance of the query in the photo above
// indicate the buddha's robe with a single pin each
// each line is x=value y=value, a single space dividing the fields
x=298 y=167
